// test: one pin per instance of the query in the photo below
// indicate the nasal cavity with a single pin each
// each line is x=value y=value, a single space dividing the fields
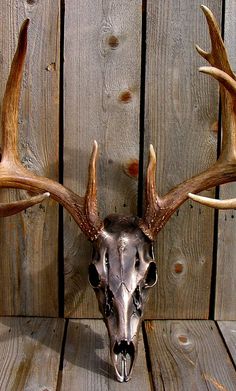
x=124 y=347
x=94 y=277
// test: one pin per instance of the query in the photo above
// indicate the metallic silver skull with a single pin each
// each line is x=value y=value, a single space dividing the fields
x=121 y=273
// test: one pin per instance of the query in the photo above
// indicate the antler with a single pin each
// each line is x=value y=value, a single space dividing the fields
x=159 y=209
x=14 y=175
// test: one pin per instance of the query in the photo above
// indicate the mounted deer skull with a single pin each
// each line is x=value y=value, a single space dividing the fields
x=121 y=274
x=122 y=268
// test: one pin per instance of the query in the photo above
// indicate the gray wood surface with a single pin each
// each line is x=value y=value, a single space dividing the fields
x=189 y=355
x=228 y=329
x=181 y=121
x=87 y=363
x=30 y=353
x=101 y=101
x=225 y=308
x=28 y=242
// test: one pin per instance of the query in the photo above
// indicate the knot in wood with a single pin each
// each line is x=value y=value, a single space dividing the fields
x=125 y=96
x=113 y=42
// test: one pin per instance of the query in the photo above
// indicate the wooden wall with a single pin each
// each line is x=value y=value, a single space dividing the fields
x=112 y=71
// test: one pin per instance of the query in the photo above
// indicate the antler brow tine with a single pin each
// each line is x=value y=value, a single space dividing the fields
x=17 y=206
x=91 y=193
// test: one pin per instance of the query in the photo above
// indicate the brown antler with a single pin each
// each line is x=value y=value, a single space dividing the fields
x=160 y=209
x=14 y=175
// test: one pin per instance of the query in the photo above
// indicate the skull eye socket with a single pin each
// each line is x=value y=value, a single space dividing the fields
x=137 y=261
x=151 y=275
x=108 y=308
x=137 y=299
x=94 y=278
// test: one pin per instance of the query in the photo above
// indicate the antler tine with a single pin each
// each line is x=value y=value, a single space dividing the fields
x=14 y=175
x=228 y=94
x=15 y=207
x=151 y=177
x=218 y=204
x=218 y=56
x=11 y=99
x=152 y=199
x=10 y=113
x=91 y=193
x=224 y=170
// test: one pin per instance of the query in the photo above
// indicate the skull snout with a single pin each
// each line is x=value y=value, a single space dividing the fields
x=123 y=330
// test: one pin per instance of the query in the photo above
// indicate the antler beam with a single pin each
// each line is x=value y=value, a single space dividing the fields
x=14 y=175
x=160 y=209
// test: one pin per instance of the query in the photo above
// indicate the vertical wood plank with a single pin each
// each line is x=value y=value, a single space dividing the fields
x=181 y=121
x=101 y=98
x=30 y=353
x=87 y=360
x=225 y=307
x=28 y=242
x=189 y=355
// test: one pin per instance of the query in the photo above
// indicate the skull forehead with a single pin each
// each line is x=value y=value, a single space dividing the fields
x=121 y=245
x=121 y=237
x=122 y=228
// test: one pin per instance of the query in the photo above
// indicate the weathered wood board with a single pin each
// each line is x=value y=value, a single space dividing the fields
x=228 y=329
x=102 y=102
x=87 y=363
x=225 y=307
x=30 y=353
x=189 y=355
x=182 y=355
x=28 y=242
x=181 y=114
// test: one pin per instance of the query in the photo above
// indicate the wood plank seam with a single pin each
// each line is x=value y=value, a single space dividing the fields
x=141 y=175
x=226 y=345
x=61 y=283
x=148 y=357
x=225 y=308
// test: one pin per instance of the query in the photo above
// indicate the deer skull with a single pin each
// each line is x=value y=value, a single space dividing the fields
x=121 y=273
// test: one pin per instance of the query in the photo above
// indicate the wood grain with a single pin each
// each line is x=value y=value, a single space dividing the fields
x=181 y=121
x=225 y=308
x=30 y=353
x=101 y=100
x=87 y=360
x=189 y=355
x=28 y=242
x=228 y=329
